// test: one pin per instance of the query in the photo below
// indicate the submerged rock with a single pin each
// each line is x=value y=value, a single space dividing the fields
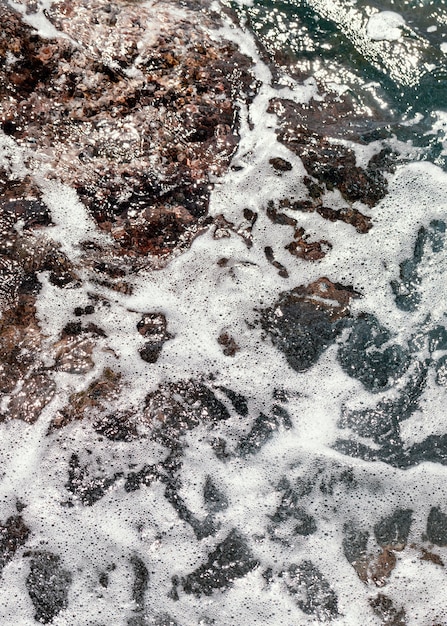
x=263 y=429
x=91 y=402
x=230 y=560
x=389 y=615
x=48 y=584
x=306 y=320
x=178 y=407
x=328 y=163
x=291 y=518
x=393 y=530
x=85 y=488
x=13 y=534
x=437 y=527
x=139 y=589
x=228 y=343
x=312 y=591
x=408 y=289
x=153 y=327
x=368 y=354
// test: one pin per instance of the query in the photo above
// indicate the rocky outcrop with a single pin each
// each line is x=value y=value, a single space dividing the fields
x=133 y=107
x=136 y=119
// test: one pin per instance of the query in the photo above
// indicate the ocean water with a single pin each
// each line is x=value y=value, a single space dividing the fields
x=294 y=471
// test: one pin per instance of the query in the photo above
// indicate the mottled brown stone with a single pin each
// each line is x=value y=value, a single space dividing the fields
x=90 y=401
x=381 y=567
x=280 y=165
x=324 y=293
x=308 y=250
x=136 y=119
x=269 y=255
x=228 y=343
x=432 y=557
x=153 y=326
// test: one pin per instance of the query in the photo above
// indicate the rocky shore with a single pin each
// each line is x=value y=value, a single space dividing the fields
x=130 y=113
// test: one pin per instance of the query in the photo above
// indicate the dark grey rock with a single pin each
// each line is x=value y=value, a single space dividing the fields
x=48 y=584
x=215 y=500
x=300 y=330
x=437 y=527
x=368 y=356
x=238 y=401
x=263 y=430
x=230 y=560
x=13 y=534
x=86 y=488
x=355 y=541
x=394 y=529
x=312 y=591
x=407 y=290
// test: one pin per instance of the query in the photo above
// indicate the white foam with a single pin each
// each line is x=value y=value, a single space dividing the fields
x=385 y=26
x=73 y=224
x=38 y=19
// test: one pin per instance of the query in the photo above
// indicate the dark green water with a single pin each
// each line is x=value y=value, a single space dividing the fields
x=396 y=87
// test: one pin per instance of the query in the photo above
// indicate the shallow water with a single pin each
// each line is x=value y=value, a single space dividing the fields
x=275 y=452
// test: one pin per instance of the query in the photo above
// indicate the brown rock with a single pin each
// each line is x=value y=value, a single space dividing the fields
x=282 y=271
x=141 y=120
x=280 y=165
x=34 y=393
x=153 y=327
x=432 y=557
x=308 y=250
x=229 y=345
x=13 y=534
x=91 y=401
x=381 y=566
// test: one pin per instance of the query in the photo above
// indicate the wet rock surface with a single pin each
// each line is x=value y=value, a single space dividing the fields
x=151 y=466
x=13 y=534
x=437 y=527
x=181 y=407
x=327 y=163
x=91 y=402
x=369 y=355
x=384 y=608
x=48 y=584
x=141 y=121
x=230 y=560
x=307 y=320
x=153 y=327
x=313 y=593
x=263 y=430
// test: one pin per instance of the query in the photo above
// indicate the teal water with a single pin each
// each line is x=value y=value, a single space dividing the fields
x=398 y=87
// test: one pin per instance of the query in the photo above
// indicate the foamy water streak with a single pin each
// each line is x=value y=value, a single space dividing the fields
x=291 y=494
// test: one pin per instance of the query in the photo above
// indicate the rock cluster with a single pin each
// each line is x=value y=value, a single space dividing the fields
x=132 y=106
